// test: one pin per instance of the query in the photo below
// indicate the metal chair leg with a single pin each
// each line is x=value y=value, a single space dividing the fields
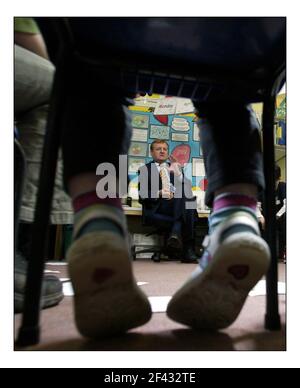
x=19 y=180
x=29 y=331
x=272 y=317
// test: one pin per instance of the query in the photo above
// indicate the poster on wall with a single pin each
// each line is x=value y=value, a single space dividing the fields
x=182 y=153
x=147 y=101
x=184 y=105
x=134 y=164
x=180 y=137
x=138 y=149
x=159 y=132
x=198 y=167
x=180 y=124
x=140 y=121
x=139 y=134
x=162 y=119
x=196 y=133
x=166 y=106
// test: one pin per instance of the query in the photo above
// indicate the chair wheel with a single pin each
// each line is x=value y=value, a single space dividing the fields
x=156 y=257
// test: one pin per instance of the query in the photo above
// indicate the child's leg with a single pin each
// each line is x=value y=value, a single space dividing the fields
x=235 y=255
x=97 y=130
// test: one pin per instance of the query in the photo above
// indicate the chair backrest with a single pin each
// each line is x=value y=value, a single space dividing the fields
x=202 y=58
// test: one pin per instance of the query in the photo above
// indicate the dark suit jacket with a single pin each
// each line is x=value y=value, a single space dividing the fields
x=148 y=189
x=280 y=195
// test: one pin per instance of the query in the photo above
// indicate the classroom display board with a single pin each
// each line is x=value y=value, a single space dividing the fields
x=280 y=118
x=172 y=119
x=180 y=131
x=280 y=135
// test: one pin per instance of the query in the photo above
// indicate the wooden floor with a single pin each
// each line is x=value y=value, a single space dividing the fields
x=58 y=331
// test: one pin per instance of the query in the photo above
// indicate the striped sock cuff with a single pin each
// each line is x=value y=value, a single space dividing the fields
x=99 y=212
x=229 y=203
x=90 y=198
x=227 y=200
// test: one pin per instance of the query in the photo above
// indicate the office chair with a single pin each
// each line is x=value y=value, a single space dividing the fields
x=204 y=59
x=157 y=250
x=163 y=231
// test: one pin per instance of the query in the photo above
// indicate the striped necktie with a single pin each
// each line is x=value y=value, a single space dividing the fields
x=164 y=178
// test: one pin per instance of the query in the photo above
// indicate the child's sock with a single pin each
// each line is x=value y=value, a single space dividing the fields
x=95 y=214
x=224 y=206
x=229 y=203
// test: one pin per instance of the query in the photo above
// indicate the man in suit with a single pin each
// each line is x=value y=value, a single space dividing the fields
x=280 y=202
x=166 y=195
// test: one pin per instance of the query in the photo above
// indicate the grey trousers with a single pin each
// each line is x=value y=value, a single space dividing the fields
x=32 y=89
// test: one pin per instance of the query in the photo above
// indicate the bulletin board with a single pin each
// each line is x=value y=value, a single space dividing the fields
x=179 y=130
x=281 y=120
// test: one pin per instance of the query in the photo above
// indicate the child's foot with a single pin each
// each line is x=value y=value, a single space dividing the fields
x=107 y=299
x=235 y=259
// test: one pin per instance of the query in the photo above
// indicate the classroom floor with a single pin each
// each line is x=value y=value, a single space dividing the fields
x=159 y=281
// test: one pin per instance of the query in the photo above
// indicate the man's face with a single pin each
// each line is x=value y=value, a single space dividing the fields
x=160 y=152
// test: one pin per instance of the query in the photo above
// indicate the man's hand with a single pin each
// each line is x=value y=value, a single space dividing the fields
x=166 y=194
x=175 y=166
